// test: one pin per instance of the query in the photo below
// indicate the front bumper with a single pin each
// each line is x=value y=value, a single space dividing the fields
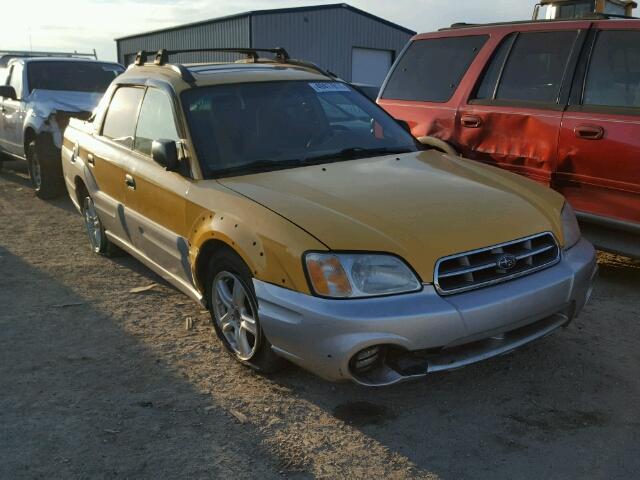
x=425 y=331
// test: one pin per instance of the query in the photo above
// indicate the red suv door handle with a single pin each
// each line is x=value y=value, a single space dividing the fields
x=589 y=132
x=471 y=121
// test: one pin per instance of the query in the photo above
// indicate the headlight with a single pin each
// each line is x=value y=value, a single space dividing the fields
x=570 y=227
x=353 y=275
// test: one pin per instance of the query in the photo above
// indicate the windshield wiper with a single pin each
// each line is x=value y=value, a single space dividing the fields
x=271 y=165
x=356 y=152
x=258 y=166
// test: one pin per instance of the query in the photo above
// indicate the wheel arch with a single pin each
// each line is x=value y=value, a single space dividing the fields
x=81 y=190
x=270 y=245
x=205 y=252
x=29 y=135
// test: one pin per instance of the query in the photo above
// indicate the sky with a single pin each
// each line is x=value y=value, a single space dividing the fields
x=82 y=25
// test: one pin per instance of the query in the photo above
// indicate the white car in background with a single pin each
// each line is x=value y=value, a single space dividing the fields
x=37 y=98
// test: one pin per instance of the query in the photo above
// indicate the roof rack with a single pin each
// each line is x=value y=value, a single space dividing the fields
x=161 y=57
x=32 y=53
x=588 y=16
x=6 y=55
x=464 y=24
x=604 y=16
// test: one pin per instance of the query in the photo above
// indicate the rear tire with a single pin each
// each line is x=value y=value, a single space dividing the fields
x=45 y=168
x=98 y=240
x=234 y=311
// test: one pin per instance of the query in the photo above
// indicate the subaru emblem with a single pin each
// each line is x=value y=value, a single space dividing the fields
x=506 y=262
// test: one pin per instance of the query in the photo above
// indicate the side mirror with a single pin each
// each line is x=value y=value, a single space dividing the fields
x=165 y=153
x=8 y=91
x=405 y=126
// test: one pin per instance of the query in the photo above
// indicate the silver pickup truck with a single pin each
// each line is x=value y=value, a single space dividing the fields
x=38 y=96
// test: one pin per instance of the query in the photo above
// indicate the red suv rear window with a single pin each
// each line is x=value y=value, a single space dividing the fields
x=431 y=70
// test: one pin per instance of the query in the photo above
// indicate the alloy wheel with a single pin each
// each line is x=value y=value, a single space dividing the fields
x=235 y=314
x=92 y=224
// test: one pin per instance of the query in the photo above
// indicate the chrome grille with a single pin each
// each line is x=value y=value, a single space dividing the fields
x=487 y=266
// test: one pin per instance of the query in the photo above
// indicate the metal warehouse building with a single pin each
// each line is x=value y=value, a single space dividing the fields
x=355 y=45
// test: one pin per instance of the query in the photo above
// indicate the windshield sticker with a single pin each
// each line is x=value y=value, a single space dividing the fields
x=325 y=87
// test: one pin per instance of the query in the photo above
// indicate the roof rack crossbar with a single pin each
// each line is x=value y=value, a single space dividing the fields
x=33 y=53
x=162 y=56
x=604 y=16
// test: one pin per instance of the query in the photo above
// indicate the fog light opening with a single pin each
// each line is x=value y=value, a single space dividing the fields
x=367 y=359
x=381 y=365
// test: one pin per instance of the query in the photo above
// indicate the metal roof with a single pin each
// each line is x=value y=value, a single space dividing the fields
x=274 y=11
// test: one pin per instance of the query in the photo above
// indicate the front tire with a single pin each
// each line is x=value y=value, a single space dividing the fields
x=45 y=169
x=234 y=311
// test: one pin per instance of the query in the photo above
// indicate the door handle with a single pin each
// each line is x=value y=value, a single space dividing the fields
x=90 y=160
x=74 y=153
x=130 y=182
x=470 y=121
x=589 y=132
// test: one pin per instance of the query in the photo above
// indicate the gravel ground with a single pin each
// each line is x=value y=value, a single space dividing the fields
x=98 y=382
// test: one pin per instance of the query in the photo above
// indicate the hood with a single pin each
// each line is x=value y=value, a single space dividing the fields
x=44 y=102
x=421 y=206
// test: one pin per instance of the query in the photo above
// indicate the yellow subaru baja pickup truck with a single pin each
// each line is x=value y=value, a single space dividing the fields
x=314 y=227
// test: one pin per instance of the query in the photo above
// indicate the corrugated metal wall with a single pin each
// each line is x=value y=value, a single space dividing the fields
x=326 y=37
x=232 y=32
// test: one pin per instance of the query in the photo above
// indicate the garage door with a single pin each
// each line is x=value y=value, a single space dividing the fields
x=370 y=66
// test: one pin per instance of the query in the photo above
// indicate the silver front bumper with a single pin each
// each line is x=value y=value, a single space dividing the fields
x=448 y=332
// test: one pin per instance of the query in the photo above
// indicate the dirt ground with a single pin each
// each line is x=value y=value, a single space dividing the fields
x=98 y=382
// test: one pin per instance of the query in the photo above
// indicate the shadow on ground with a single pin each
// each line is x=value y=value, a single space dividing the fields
x=17 y=173
x=81 y=398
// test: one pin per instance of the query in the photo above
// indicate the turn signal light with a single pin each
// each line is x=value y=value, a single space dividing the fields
x=327 y=276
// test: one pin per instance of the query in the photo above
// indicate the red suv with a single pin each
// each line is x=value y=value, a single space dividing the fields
x=557 y=101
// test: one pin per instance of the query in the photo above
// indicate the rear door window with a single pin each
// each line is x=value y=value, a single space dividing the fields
x=122 y=115
x=431 y=70
x=613 y=78
x=492 y=72
x=534 y=70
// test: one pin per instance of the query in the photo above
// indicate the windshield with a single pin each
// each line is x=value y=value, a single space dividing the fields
x=244 y=128
x=72 y=76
